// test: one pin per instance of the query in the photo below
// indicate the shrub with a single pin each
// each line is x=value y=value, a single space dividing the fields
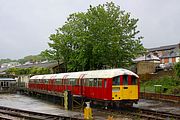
x=177 y=69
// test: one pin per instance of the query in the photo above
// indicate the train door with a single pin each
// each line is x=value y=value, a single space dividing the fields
x=64 y=83
x=83 y=87
x=105 y=88
x=81 y=84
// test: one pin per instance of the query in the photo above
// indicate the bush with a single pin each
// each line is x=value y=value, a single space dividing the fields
x=170 y=85
x=177 y=69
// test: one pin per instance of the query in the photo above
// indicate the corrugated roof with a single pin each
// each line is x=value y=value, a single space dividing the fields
x=110 y=73
x=167 y=47
x=147 y=58
x=7 y=79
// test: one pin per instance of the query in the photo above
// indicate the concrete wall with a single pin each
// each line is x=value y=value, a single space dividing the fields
x=23 y=80
x=145 y=67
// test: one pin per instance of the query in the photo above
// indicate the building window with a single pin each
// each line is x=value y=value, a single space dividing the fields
x=170 y=60
x=162 y=60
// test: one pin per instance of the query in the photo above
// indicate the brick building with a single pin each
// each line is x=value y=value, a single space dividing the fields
x=167 y=54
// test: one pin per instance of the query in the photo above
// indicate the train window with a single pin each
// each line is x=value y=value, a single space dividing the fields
x=95 y=82
x=90 y=82
x=46 y=81
x=86 y=82
x=58 y=82
x=77 y=82
x=66 y=81
x=116 y=81
x=35 y=81
x=42 y=81
x=125 y=80
x=30 y=81
x=72 y=82
x=105 y=83
x=134 y=80
x=99 y=82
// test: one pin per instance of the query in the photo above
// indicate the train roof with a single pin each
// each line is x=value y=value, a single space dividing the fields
x=109 y=73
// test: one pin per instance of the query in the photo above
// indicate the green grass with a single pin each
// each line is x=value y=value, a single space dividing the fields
x=170 y=85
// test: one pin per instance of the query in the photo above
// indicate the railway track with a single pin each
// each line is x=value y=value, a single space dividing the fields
x=7 y=113
x=140 y=113
x=151 y=114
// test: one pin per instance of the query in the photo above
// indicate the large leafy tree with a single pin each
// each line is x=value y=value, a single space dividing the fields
x=102 y=36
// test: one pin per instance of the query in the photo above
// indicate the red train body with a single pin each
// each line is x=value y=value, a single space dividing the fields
x=110 y=85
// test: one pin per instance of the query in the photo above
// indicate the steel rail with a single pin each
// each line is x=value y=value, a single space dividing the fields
x=140 y=113
x=32 y=115
x=152 y=114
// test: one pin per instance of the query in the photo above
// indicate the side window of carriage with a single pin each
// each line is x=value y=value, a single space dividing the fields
x=86 y=82
x=72 y=82
x=66 y=81
x=46 y=81
x=99 y=82
x=91 y=82
x=58 y=81
x=77 y=82
x=95 y=82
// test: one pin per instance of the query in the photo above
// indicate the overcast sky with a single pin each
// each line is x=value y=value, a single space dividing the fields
x=25 y=25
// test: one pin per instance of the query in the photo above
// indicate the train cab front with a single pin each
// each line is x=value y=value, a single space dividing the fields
x=125 y=88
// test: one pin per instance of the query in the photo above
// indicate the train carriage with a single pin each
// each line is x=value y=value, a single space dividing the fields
x=107 y=85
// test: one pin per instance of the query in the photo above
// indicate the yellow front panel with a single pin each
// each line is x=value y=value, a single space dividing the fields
x=125 y=92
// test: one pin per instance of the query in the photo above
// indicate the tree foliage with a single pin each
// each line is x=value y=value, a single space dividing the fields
x=32 y=59
x=177 y=69
x=6 y=61
x=102 y=36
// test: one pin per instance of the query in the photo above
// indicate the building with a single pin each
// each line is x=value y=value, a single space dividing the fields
x=10 y=64
x=146 y=64
x=53 y=66
x=7 y=84
x=167 y=54
x=149 y=57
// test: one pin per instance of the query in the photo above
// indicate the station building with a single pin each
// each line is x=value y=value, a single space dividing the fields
x=7 y=84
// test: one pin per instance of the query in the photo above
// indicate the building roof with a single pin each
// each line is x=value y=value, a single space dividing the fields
x=7 y=79
x=167 y=47
x=109 y=73
x=147 y=58
x=44 y=65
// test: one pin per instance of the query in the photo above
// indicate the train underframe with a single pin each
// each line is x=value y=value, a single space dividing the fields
x=106 y=103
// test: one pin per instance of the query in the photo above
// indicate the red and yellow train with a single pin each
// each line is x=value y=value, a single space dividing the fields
x=119 y=85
